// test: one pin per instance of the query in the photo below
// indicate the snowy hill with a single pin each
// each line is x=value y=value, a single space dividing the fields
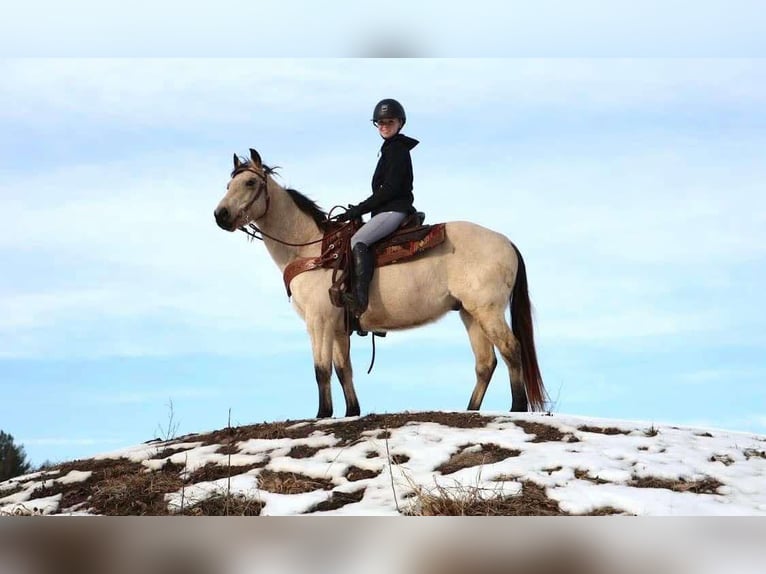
x=414 y=463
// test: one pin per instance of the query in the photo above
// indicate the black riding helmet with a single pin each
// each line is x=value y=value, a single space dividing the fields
x=389 y=109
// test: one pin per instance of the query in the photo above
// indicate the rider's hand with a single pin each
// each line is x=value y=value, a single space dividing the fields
x=353 y=212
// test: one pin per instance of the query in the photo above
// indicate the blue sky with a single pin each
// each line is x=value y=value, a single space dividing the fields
x=633 y=187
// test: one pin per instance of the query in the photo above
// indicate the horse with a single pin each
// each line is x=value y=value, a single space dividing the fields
x=474 y=271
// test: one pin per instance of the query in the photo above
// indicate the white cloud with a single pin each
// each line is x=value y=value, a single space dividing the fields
x=615 y=236
x=148 y=93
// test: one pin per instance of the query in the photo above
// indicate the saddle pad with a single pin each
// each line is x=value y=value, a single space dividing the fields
x=409 y=244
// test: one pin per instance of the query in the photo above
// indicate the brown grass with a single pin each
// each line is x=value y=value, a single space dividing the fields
x=225 y=505
x=337 y=500
x=11 y=491
x=212 y=471
x=472 y=501
x=303 y=451
x=489 y=454
x=585 y=475
x=602 y=430
x=167 y=452
x=753 y=453
x=607 y=511
x=116 y=487
x=134 y=493
x=265 y=431
x=351 y=432
x=651 y=431
x=722 y=458
x=542 y=432
x=355 y=473
x=230 y=448
x=291 y=483
x=705 y=485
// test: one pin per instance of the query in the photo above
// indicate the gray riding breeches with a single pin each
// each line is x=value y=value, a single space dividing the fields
x=378 y=227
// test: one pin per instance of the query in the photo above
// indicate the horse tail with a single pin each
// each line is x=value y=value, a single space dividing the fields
x=521 y=323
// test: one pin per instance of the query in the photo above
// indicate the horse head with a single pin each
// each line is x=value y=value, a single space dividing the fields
x=247 y=196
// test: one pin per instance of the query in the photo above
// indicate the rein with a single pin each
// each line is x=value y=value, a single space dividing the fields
x=254 y=231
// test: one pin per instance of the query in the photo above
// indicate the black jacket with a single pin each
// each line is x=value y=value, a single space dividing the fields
x=392 y=180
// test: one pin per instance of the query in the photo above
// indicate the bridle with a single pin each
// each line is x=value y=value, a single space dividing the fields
x=255 y=232
x=262 y=188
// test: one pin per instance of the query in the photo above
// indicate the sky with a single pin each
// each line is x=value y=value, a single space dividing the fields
x=632 y=187
x=582 y=469
x=618 y=146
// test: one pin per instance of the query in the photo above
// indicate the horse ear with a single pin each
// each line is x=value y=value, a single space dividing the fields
x=256 y=157
x=236 y=161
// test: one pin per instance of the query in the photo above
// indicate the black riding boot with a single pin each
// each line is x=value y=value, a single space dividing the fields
x=364 y=265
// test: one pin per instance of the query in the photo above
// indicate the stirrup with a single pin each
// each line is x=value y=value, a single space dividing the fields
x=355 y=326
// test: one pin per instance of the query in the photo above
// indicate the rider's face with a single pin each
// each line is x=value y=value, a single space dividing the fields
x=388 y=127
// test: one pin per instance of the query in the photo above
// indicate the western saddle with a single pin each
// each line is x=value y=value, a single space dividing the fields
x=411 y=239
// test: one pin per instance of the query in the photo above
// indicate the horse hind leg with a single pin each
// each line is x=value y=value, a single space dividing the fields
x=486 y=361
x=341 y=358
x=498 y=331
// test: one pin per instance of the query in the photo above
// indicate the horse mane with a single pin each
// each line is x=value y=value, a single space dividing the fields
x=302 y=202
x=309 y=207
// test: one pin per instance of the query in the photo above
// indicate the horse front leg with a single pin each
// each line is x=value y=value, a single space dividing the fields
x=341 y=358
x=321 y=346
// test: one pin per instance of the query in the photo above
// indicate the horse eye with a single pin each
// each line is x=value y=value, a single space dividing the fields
x=250 y=183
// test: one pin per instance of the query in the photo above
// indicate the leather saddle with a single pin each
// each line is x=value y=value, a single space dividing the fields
x=410 y=240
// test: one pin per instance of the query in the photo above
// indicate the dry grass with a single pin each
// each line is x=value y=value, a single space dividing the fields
x=542 y=432
x=212 y=471
x=225 y=505
x=722 y=458
x=337 y=500
x=291 y=483
x=753 y=453
x=354 y=473
x=651 y=431
x=351 y=432
x=230 y=448
x=167 y=452
x=488 y=454
x=303 y=451
x=399 y=458
x=134 y=494
x=10 y=491
x=473 y=501
x=116 y=487
x=585 y=475
x=705 y=485
x=602 y=430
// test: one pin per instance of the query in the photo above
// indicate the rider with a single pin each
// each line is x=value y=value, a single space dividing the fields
x=391 y=200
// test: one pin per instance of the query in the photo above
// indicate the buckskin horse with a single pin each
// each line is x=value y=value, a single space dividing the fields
x=475 y=271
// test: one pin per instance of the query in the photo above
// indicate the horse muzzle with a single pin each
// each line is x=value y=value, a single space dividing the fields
x=224 y=219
